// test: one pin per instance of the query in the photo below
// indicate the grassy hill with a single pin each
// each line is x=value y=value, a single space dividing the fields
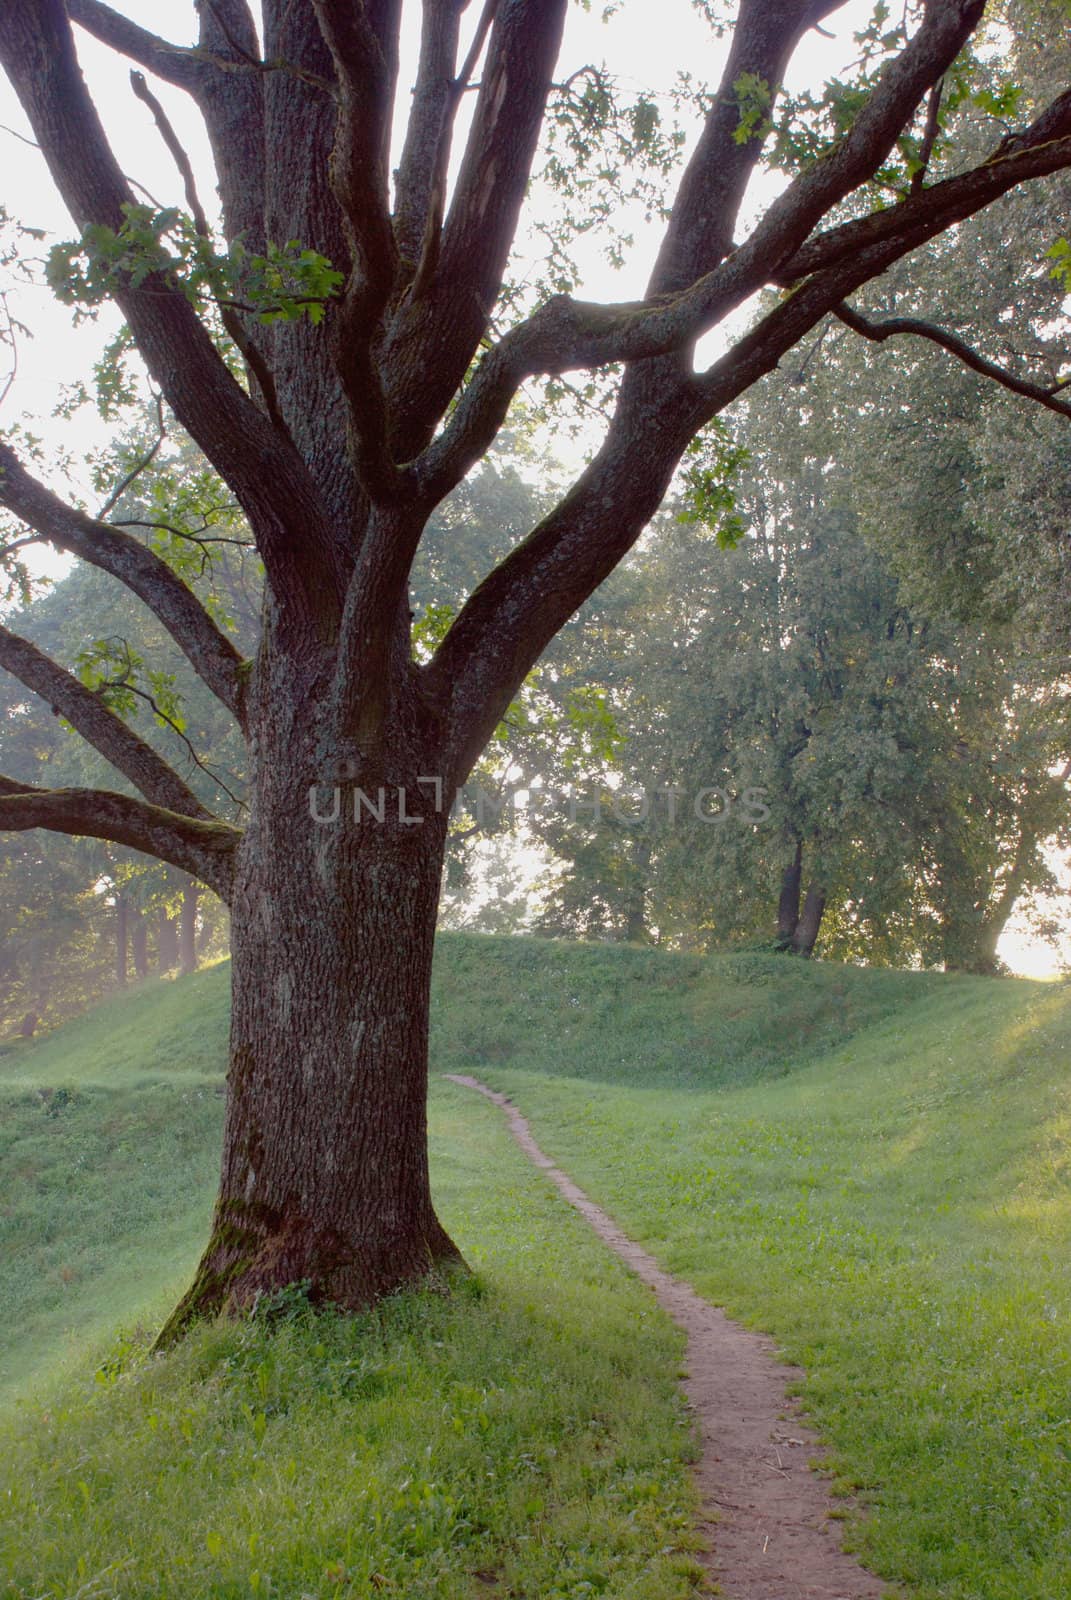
x=872 y=1165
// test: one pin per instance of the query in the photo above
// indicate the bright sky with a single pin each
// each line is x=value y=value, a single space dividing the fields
x=646 y=45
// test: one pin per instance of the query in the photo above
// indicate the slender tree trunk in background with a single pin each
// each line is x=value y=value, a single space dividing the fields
x=970 y=944
x=139 y=944
x=121 y=920
x=166 y=942
x=636 y=909
x=788 y=906
x=205 y=931
x=188 y=930
x=806 y=934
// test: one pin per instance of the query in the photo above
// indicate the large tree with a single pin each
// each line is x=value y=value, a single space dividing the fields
x=339 y=432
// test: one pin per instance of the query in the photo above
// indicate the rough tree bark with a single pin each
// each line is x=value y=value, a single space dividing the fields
x=343 y=441
x=325 y=1171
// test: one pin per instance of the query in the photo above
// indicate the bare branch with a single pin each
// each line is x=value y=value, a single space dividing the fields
x=88 y=714
x=892 y=327
x=205 y=849
x=178 y=154
x=363 y=41
x=418 y=166
x=929 y=136
x=164 y=717
x=205 y=646
x=440 y=157
x=173 y=63
x=421 y=177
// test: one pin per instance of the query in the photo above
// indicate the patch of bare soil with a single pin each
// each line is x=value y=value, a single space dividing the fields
x=766 y=1513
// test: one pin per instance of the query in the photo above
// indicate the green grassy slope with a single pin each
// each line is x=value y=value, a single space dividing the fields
x=109 y=1150
x=109 y=1128
x=873 y=1165
x=898 y=1213
x=524 y=1435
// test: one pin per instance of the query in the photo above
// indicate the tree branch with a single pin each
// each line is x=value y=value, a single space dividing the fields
x=452 y=313
x=231 y=104
x=510 y=617
x=363 y=41
x=1036 y=151
x=232 y=322
x=205 y=646
x=205 y=849
x=564 y=334
x=90 y=716
x=701 y=224
x=140 y=466
x=435 y=207
x=891 y=327
x=421 y=176
x=929 y=136
x=283 y=506
x=173 y=63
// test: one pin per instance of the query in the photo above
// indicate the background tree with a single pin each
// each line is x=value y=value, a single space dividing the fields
x=376 y=347
x=902 y=756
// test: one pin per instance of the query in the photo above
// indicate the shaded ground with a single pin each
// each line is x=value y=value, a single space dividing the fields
x=769 y=1512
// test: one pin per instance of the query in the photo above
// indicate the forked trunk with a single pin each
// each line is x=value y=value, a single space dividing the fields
x=325 y=1171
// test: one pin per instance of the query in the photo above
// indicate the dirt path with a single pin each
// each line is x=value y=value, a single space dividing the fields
x=766 y=1513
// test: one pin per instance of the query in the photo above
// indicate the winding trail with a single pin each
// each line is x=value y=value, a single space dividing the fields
x=765 y=1513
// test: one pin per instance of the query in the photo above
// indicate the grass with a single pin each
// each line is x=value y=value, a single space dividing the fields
x=897 y=1212
x=874 y=1166
x=523 y=1435
x=109 y=1151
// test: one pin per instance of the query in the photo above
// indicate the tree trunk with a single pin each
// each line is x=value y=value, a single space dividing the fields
x=139 y=944
x=325 y=1170
x=636 y=907
x=814 y=906
x=166 y=942
x=788 y=906
x=121 y=915
x=970 y=944
x=188 y=930
x=209 y=921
